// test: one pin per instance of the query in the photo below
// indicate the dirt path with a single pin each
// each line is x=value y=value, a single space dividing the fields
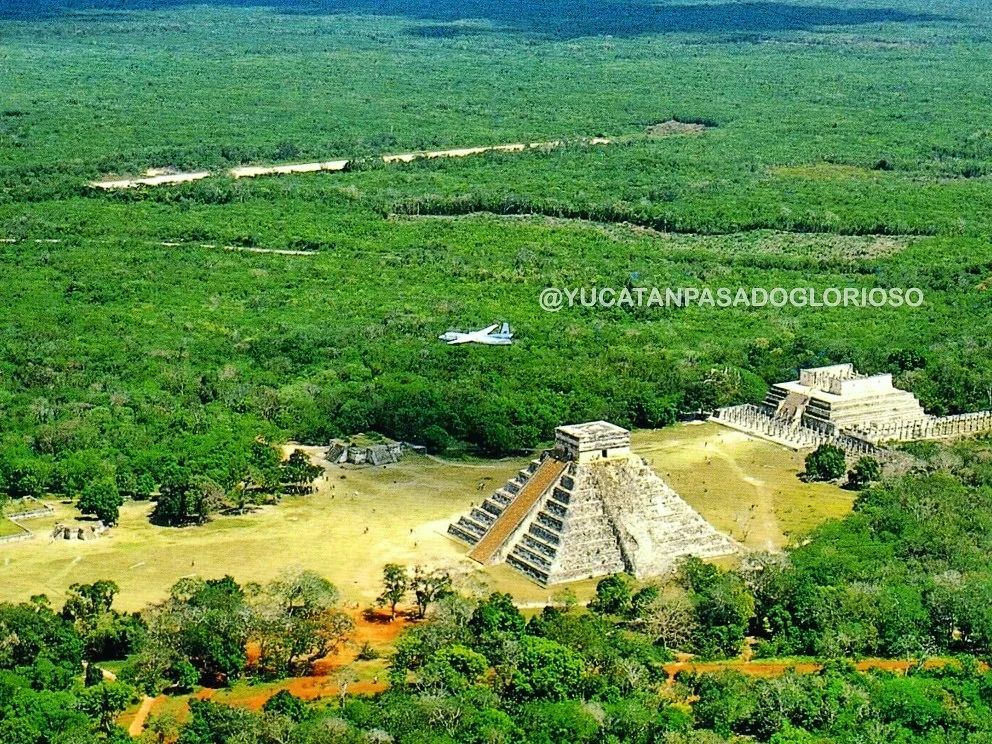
x=760 y=523
x=498 y=464
x=251 y=171
x=276 y=251
x=138 y=724
x=243 y=249
x=158 y=177
x=59 y=575
x=151 y=180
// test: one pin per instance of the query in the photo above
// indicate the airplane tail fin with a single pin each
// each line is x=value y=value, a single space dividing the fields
x=505 y=330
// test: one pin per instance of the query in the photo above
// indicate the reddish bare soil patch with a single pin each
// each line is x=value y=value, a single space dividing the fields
x=373 y=628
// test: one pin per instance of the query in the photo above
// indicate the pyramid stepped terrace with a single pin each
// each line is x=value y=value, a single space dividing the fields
x=587 y=508
x=832 y=399
x=858 y=413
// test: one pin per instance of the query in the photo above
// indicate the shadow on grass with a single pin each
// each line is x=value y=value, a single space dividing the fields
x=561 y=19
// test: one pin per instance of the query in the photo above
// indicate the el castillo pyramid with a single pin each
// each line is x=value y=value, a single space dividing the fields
x=589 y=507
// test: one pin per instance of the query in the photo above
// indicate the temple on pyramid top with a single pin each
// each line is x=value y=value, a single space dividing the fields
x=587 y=507
x=597 y=440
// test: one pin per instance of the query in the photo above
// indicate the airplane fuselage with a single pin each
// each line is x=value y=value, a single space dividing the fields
x=487 y=336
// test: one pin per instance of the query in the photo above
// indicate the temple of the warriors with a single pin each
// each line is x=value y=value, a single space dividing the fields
x=859 y=413
x=588 y=507
x=832 y=399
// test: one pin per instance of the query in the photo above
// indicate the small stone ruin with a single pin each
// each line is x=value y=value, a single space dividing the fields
x=365 y=449
x=78 y=531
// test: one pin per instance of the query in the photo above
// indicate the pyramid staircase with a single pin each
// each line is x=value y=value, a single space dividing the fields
x=471 y=528
x=791 y=409
x=510 y=518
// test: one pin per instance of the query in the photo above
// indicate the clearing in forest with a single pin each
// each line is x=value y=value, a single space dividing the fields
x=361 y=518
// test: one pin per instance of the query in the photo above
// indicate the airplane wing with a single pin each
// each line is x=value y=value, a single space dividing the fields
x=486 y=331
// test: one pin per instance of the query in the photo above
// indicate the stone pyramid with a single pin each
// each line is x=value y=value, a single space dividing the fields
x=589 y=507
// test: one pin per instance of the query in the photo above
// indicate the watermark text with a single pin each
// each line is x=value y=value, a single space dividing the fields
x=555 y=299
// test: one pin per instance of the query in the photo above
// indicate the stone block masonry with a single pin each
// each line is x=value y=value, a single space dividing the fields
x=365 y=449
x=861 y=414
x=587 y=508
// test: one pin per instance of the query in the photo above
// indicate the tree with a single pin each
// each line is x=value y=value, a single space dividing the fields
x=496 y=614
x=298 y=473
x=93 y=675
x=133 y=484
x=296 y=622
x=76 y=470
x=395 y=585
x=903 y=360
x=213 y=723
x=101 y=499
x=454 y=669
x=107 y=634
x=668 y=622
x=643 y=598
x=613 y=596
x=570 y=721
x=265 y=467
x=38 y=642
x=826 y=462
x=151 y=668
x=865 y=471
x=565 y=599
x=161 y=729
x=186 y=500
x=428 y=587
x=722 y=607
x=245 y=495
x=435 y=439
x=205 y=623
x=184 y=675
x=22 y=478
x=105 y=702
x=287 y=704
x=546 y=670
x=86 y=602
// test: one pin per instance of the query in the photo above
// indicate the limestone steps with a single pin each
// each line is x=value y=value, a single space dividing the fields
x=541 y=479
x=472 y=527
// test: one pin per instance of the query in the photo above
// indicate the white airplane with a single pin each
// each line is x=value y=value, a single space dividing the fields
x=488 y=335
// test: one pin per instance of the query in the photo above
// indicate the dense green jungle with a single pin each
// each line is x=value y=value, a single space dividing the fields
x=156 y=338
x=843 y=145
